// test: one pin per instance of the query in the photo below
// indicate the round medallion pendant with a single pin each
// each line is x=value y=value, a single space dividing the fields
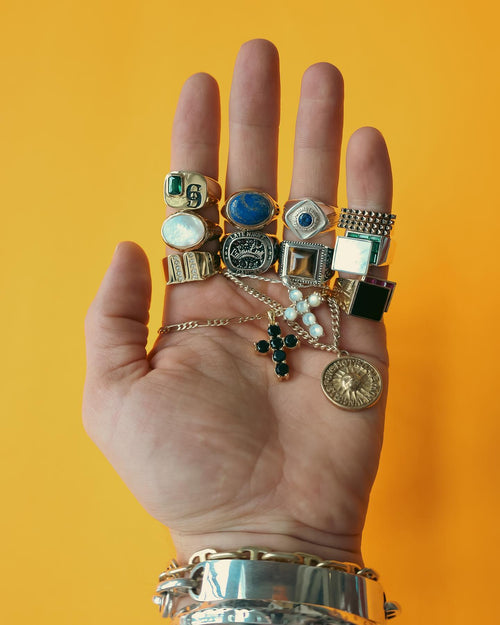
x=351 y=383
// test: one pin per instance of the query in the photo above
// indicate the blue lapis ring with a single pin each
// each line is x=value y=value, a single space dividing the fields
x=306 y=218
x=250 y=209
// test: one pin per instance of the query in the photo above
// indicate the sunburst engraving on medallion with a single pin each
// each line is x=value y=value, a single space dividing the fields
x=351 y=383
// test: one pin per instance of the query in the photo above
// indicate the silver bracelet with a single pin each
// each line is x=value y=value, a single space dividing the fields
x=260 y=591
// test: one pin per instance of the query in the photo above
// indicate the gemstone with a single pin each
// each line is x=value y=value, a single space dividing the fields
x=314 y=299
x=249 y=209
x=305 y=220
x=174 y=185
x=183 y=230
x=295 y=295
x=290 y=313
x=276 y=342
x=302 y=306
x=316 y=330
x=370 y=301
x=279 y=355
x=376 y=242
x=352 y=255
x=291 y=341
x=274 y=330
x=309 y=318
x=262 y=347
x=302 y=262
x=282 y=369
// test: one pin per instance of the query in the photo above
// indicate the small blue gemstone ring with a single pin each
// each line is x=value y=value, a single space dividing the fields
x=250 y=209
x=306 y=218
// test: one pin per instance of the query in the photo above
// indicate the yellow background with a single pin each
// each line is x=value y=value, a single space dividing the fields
x=88 y=91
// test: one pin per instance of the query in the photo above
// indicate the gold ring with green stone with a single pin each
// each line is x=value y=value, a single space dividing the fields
x=190 y=190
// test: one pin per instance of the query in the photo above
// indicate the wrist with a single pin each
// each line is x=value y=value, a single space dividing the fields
x=340 y=548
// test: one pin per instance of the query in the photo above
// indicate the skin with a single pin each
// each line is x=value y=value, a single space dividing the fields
x=202 y=432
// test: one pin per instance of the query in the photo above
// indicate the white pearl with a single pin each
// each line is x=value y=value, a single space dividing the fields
x=290 y=314
x=302 y=306
x=314 y=299
x=309 y=318
x=295 y=295
x=316 y=330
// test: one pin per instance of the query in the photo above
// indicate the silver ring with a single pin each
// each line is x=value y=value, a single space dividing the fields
x=305 y=264
x=306 y=218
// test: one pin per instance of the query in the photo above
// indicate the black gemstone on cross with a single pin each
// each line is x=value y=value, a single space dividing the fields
x=277 y=344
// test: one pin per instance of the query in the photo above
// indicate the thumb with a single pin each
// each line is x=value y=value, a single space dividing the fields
x=116 y=323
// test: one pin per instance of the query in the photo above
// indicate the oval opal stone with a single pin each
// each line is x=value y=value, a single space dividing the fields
x=249 y=209
x=183 y=231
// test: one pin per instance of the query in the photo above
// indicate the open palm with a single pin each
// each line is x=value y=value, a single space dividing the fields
x=201 y=430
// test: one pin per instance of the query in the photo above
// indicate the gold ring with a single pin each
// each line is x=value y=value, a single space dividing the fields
x=186 y=231
x=190 y=266
x=189 y=190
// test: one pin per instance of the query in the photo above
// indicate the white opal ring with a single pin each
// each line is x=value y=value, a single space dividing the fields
x=186 y=231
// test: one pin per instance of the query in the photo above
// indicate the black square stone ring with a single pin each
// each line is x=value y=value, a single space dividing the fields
x=306 y=218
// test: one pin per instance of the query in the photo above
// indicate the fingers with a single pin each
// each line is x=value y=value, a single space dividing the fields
x=254 y=113
x=369 y=186
x=196 y=127
x=115 y=327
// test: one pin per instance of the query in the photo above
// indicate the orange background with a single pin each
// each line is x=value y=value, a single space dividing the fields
x=88 y=96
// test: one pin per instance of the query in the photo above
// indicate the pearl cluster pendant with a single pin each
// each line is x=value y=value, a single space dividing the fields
x=301 y=306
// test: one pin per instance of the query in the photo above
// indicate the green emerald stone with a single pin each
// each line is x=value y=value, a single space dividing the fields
x=374 y=238
x=174 y=185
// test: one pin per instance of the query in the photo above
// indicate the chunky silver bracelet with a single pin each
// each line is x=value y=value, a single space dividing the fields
x=256 y=591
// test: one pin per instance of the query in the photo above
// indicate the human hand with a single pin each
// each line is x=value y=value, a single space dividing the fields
x=200 y=430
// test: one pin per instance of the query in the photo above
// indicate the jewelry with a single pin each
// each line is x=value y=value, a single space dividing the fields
x=380 y=246
x=301 y=306
x=190 y=266
x=368 y=298
x=276 y=344
x=250 y=209
x=186 y=231
x=370 y=222
x=249 y=252
x=351 y=383
x=305 y=264
x=189 y=190
x=241 y=586
x=352 y=255
x=306 y=218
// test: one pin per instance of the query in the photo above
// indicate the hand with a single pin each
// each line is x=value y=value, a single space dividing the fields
x=201 y=431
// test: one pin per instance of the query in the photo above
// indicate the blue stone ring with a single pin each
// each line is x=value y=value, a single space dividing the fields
x=307 y=218
x=250 y=209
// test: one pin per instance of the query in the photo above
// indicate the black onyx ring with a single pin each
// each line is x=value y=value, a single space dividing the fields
x=250 y=209
x=307 y=218
x=189 y=190
x=249 y=252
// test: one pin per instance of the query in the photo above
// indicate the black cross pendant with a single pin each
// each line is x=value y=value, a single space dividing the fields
x=276 y=345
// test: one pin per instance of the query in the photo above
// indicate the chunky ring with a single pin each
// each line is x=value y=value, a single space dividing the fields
x=305 y=264
x=186 y=231
x=250 y=209
x=369 y=222
x=368 y=298
x=249 y=252
x=190 y=266
x=380 y=245
x=189 y=190
x=352 y=255
x=307 y=218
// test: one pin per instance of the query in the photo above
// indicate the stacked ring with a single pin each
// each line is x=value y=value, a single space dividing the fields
x=249 y=252
x=368 y=298
x=186 y=231
x=189 y=190
x=307 y=218
x=305 y=264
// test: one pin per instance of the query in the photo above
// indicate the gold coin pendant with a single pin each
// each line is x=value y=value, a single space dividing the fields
x=351 y=383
